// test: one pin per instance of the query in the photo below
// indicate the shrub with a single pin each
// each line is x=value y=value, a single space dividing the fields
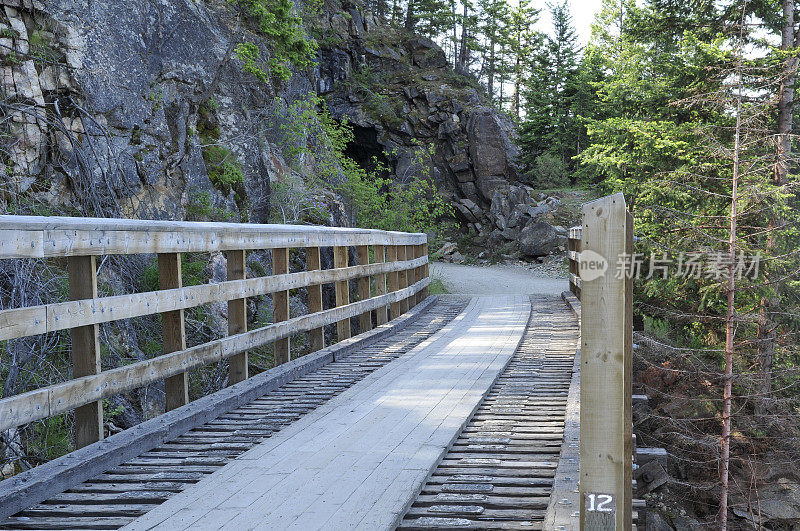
x=549 y=171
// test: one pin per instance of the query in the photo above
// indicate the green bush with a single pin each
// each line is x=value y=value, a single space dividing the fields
x=290 y=46
x=224 y=170
x=549 y=171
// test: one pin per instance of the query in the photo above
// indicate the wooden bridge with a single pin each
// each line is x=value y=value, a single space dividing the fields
x=441 y=412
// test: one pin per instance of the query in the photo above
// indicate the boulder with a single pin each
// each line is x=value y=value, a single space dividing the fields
x=491 y=148
x=538 y=239
x=426 y=53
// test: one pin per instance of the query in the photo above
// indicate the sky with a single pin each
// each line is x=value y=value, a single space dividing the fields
x=583 y=12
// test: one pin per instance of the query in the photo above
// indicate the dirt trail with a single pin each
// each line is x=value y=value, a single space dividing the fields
x=496 y=279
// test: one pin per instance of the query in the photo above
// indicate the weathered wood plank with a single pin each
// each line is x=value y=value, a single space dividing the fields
x=173 y=330
x=39 y=236
x=365 y=319
x=61 y=316
x=381 y=314
x=402 y=254
x=237 y=315
x=605 y=416
x=394 y=279
x=316 y=336
x=85 y=351
x=342 y=289
x=35 y=485
x=280 y=304
x=68 y=395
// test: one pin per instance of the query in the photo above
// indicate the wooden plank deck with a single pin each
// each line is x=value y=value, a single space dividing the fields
x=359 y=460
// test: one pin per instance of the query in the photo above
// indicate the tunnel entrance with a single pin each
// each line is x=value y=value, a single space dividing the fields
x=367 y=151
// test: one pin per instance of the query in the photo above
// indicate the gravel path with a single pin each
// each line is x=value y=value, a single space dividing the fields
x=496 y=279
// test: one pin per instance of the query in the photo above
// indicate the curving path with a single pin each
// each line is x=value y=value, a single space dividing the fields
x=496 y=279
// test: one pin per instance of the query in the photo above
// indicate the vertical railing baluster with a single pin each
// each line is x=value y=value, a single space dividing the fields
x=85 y=349
x=173 y=330
x=365 y=319
x=316 y=336
x=280 y=304
x=237 y=316
x=394 y=279
x=402 y=254
x=342 y=292
x=381 y=316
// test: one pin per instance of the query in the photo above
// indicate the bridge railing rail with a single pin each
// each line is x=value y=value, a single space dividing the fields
x=573 y=258
x=398 y=269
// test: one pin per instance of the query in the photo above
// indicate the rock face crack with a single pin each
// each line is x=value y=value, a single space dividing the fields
x=499 y=472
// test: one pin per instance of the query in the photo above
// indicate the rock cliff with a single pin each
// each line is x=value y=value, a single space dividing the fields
x=142 y=109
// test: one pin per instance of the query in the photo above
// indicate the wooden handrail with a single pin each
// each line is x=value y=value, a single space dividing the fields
x=574 y=257
x=74 y=238
x=48 y=237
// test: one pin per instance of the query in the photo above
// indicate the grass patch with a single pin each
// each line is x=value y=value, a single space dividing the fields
x=437 y=287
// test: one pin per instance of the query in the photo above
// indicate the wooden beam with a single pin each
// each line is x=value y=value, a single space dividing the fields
x=280 y=304
x=237 y=315
x=402 y=254
x=381 y=315
x=85 y=353
x=60 y=398
x=46 y=236
x=365 y=319
x=342 y=292
x=394 y=279
x=23 y=322
x=316 y=336
x=173 y=330
x=605 y=425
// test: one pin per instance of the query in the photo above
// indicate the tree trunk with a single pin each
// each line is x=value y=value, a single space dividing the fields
x=783 y=155
x=461 y=66
x=411 y=17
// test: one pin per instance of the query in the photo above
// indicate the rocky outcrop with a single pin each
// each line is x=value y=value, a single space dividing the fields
x=127 y=109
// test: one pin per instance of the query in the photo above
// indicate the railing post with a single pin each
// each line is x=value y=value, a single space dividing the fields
x=394 y=279
x=316 y=336
x=424 y=273
x=173 y=330
x=380 y=285
x=342 y=288
x=605 y=416
x=365 y=319
x=85 y=349
x=402 y=254
x=280 y=304
x=237 y=316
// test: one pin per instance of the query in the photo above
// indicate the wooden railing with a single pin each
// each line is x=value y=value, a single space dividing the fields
x=599 y=251
x=400 y=258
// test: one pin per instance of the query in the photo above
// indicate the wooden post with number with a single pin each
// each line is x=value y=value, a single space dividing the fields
x=316 y=336
x=85 y=353
x=365 y=319
x=342 y=289
x=237 y=316
x=280 y=304
x=606 y=341
x=380 y=285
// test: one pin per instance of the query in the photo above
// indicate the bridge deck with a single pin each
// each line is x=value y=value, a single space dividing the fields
x=356 y=461
x=400 y=432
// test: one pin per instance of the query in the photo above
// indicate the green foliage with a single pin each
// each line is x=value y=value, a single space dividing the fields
x=200 y=208
x=50 y=438
x=374 y=200
x=250 y=57
x=224 y=170
x=290 y=47
x=437 y=287
x=549 y=171
x=379 y=106
x=194 y=271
